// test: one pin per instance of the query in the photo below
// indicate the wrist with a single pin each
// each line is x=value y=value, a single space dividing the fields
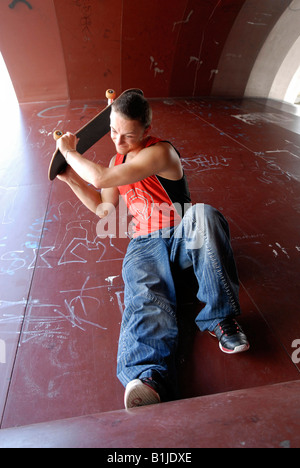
x=67 y=152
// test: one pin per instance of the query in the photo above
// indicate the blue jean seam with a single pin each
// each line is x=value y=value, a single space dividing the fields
x=222 y=278
x=161 y=304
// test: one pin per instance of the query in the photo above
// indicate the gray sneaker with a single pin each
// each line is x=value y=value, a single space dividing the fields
x=231 y=337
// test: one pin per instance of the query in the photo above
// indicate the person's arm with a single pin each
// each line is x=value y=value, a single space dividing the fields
x=99 y=203
x=84 y=168
x=159 y=159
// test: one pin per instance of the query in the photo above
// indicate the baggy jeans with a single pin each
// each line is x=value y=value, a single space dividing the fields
x=149 y=332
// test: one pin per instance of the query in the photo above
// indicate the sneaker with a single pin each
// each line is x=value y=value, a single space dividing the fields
x=141 y=392
x=231 y=337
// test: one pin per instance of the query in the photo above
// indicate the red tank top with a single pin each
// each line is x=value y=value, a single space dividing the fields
x=155 y=203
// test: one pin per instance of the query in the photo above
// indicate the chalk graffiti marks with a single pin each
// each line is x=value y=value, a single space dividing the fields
x=258 y=117
x=8 y=198
x=154 y=67
x=11 y=262
x=85 y=7
x=49 y=320
x=76 y=311
x=13 y=4
x=184 y=21
x=204 y=163
x=57 y=112
x=74 y=242
x=76 y=239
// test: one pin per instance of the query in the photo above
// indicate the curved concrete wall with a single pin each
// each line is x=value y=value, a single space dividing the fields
x=76 y=49
x=279 y=59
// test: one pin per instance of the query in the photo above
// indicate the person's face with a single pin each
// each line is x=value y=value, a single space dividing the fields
x=126 y=134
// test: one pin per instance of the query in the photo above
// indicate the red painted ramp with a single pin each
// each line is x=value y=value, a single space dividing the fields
x=265 y=417
x=61 y=291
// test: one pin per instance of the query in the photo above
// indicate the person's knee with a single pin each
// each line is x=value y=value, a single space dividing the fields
x=211 y=212
x=215 y=219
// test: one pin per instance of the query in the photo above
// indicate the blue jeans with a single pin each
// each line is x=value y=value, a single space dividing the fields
x=149 y=332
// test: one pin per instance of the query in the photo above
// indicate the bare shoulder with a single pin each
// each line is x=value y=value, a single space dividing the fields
x=166 y=147
x=170 y=164
x=162 y=150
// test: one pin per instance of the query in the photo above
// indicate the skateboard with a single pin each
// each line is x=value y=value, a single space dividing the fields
x=88 y=135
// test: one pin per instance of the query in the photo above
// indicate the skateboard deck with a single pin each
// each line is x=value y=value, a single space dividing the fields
x=88 y=135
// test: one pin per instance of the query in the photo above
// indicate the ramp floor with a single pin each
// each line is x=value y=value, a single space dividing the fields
x=61 y=291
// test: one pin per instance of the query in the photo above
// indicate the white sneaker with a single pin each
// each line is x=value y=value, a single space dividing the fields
x=140 y=393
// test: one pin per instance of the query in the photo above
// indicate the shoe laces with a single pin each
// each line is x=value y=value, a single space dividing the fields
x=229 y=327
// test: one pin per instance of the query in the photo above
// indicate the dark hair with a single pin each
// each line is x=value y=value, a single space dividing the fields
x=134 y=106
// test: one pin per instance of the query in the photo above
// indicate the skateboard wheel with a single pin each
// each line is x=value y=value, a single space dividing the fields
x=110 y=94
x=57 y=135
